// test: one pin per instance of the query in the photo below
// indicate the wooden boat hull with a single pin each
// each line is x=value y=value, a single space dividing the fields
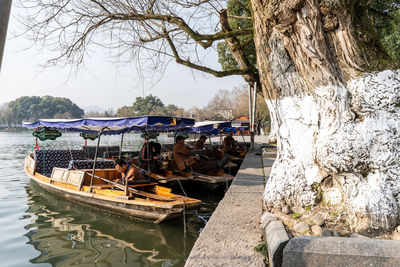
x=156 y=211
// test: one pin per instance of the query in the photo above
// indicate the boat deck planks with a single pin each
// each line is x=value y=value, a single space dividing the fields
x=67 y=183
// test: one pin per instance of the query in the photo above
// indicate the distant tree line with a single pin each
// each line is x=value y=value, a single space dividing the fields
x=229 y=104
x=150 y=105
x=31 y=108
x=225 y=105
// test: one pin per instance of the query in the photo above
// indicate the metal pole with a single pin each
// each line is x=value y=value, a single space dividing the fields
x=5 y=7
x=250 y=93
x=148 y=154
x=120 y=147
x=95 y=160
x=253 y=115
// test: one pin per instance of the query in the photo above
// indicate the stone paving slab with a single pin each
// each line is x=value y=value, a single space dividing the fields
x=340 y=252
x=234 y=229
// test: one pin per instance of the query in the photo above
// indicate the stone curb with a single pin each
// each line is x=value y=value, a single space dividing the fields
x=356 y=250
x=276 y=237
x=340 y=252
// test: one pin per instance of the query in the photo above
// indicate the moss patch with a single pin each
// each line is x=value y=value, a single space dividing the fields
x=262 y=248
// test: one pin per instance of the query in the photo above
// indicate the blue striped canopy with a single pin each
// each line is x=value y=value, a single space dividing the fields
x=110 y=126
x=208 y=127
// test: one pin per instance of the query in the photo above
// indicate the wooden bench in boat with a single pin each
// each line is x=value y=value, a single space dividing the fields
x=30 y=163
x=72 y=177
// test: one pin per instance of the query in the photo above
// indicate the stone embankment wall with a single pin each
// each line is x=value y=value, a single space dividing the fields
x=233 y=230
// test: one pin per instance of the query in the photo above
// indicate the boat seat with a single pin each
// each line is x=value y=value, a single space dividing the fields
x=71 y=177
x=46 y=160
x=88 y=164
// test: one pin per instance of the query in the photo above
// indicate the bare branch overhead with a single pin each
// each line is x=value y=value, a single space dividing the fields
x=140 y=30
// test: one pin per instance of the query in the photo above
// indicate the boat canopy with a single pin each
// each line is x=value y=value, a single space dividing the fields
x=208 y=127
x=234 y=129
x=109 y=126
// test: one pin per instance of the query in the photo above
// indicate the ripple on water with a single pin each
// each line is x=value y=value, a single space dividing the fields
x=46 y=230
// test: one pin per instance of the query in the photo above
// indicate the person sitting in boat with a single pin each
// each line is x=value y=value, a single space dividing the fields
x=229 y=146
x=199 y=144
x=184 y=159
x=128 y=172
x=149 y=156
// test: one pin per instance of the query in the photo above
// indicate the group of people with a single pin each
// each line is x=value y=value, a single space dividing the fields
x=150 y=153
x=185 y=160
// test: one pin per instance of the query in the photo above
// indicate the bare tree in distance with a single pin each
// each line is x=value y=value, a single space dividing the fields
x=235 y=100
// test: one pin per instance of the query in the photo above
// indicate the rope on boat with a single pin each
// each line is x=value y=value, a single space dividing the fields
x=179 y=181
x=184 y=224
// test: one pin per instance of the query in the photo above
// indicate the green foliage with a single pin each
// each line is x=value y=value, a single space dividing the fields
x=263 y=249
x=30 y=108
x=225 y=57
x=150 y=105
x=239 y=17
x=296 y=215
x=387 y=22
x=147 y=105
x=308 y=208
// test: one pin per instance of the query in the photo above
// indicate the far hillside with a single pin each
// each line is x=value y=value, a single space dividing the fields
x=30 y=108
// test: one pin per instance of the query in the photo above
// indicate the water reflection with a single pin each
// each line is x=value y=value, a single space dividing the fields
x=68 y=233
x=42 y=229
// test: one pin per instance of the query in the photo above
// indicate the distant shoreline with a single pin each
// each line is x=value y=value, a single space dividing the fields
x=13 y=129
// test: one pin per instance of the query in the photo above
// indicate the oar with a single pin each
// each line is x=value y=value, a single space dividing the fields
x=152 y=174
x=213 y=178
x=134 y=191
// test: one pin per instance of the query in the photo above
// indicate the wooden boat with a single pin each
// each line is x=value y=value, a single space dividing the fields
x=97 y=186
x=173 y=176
x=207 y=128
x=147 y=201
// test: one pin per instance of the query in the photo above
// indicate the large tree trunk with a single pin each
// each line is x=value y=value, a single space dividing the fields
x=5 y=6
x=334 y=94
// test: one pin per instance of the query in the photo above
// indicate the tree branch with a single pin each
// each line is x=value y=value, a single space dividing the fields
x=205 y=40
x=202 y=68
x=237 y=50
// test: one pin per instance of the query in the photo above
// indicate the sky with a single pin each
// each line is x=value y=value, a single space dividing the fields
x=100 y=82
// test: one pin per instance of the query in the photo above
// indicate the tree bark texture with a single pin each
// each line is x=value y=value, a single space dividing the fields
x=334 y=96
x=5 y=6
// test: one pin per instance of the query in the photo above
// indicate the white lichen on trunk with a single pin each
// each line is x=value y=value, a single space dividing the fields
x=340 y=143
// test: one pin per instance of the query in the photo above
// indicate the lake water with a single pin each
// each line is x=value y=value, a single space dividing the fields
x=42 y=229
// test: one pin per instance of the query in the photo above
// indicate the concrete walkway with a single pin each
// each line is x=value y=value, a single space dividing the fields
x=234 y=228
